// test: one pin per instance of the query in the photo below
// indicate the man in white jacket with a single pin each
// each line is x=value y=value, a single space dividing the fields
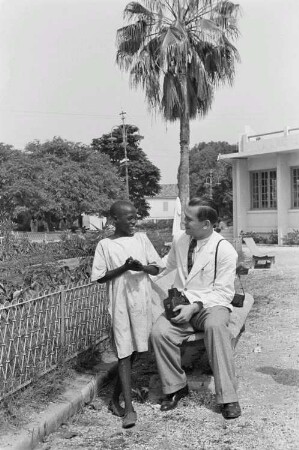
x=210 y=293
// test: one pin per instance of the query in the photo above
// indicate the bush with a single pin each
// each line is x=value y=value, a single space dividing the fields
x=28 y=269
x=160 y=224
x=292 y=238
x=262 y=238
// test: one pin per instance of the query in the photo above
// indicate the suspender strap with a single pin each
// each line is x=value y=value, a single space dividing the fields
x=216 y=253
x=215 y=269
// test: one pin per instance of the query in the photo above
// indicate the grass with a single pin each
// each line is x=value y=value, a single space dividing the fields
x=17 y=409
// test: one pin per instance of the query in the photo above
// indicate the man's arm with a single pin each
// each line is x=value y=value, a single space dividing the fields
x=171 y=263
x=151 y=269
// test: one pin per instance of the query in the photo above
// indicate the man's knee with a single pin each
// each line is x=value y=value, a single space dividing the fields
x=159 y=329
x=216 y=323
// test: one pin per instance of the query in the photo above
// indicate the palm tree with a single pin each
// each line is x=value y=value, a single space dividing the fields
x=179 y=51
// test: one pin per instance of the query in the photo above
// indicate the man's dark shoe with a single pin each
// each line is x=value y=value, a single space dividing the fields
x=171 y=400
x=231 y=410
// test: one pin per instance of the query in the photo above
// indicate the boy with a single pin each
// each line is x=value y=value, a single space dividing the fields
x=124 y=260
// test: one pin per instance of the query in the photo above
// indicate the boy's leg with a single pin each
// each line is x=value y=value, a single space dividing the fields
x=124 y=373
x=114 y=405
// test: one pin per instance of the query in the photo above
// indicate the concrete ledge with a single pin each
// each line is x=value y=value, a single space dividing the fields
x=82 y=390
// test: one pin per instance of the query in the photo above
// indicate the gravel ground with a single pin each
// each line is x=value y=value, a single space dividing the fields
x=267 y=365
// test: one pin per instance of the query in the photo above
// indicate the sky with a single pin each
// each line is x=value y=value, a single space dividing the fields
x=58 y=77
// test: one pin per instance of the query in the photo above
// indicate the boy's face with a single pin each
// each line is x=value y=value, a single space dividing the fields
x=125 y=220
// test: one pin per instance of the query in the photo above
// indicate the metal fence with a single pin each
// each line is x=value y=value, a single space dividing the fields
x=38 y=236
x=38 y=334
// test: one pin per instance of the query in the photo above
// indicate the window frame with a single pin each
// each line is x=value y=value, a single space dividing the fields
x=292 y=169
x=260 y=192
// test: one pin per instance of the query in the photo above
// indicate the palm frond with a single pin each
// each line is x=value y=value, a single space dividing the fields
x=168 y=38
x=136 y=9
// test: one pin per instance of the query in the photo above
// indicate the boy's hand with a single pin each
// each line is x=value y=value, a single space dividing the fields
x=133 y=264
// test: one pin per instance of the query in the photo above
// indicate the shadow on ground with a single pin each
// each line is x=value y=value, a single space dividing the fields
x=288 y=377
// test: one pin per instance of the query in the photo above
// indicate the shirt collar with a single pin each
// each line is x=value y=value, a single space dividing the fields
x=201 y=243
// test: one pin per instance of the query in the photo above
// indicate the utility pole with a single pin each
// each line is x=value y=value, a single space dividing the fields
x=124 y=135
x=209 y=183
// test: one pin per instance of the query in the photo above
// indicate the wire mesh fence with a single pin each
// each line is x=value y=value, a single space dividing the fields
x=38 y=334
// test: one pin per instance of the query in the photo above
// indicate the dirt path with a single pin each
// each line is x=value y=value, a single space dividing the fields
x=268 y=372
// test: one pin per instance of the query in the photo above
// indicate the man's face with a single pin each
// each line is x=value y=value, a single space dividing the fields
x=125 y=220
x=194 y=227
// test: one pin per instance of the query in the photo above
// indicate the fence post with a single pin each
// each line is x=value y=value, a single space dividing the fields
x=62 y=316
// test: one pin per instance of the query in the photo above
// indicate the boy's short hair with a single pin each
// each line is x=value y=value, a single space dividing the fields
x=116 y=206
x=205 y=210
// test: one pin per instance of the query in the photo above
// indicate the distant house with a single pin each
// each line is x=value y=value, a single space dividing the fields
x=266 y=182
x=163 y=204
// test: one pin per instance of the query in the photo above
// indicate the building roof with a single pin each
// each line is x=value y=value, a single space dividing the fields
x=265 y=144
x=168 y=191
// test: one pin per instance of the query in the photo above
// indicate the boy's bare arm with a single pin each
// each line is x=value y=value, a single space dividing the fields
x=150 y=269
x=110 y=274
x=130 y=264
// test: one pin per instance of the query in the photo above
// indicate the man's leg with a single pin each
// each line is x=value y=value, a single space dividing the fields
x=166 y=339
x=218 y=342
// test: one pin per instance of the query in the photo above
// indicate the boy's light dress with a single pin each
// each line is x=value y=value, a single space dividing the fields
x=130 y=294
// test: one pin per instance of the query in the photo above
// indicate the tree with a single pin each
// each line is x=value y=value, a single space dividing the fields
x=203 y=182
x=144 y=176
x=58 y=178
x=179 y=51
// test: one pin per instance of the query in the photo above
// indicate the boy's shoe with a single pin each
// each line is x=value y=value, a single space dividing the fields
x=129 y=419
x=116 y=409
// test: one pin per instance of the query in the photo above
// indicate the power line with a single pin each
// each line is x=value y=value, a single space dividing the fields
x=62 y=113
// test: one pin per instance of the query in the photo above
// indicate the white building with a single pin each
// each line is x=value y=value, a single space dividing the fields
x=266 y=182
x=163 y=204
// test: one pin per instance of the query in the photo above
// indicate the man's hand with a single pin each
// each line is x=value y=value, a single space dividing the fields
x=133 y=264
x=186 y=312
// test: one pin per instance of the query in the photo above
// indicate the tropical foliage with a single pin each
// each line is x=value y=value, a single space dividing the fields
x=56 y=178
x=179 y=51
x=211 y=178
x=144 y=176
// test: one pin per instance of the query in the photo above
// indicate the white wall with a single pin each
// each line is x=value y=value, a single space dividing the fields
x=161 y=208
x=270 y=144
x=293 y=222
x=283 y=218
x=262 y=221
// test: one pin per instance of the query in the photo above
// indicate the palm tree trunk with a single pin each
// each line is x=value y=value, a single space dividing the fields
x=183 y=177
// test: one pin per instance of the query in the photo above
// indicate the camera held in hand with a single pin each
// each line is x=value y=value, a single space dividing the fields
x=175 y=298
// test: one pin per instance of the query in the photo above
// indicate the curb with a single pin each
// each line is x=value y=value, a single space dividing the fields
x=84 y=391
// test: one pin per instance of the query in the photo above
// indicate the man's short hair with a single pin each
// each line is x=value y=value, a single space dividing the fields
x=118 y=205
x=205 y=210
